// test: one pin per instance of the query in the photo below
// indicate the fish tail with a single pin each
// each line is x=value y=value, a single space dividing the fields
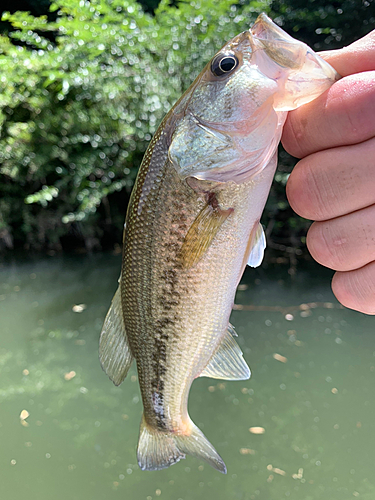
x=160 y=449
x=197 y=445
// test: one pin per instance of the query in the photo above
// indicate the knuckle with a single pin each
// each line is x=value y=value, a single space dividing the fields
x=342 y=291
x=325 y=247
x=293 y=135
x=353 y=119
x=307 y=189
x=356 y=289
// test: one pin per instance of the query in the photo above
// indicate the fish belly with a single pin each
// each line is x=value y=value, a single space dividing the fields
x=176 y=317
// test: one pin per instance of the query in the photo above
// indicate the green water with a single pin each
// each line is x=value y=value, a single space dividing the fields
x=317 y=408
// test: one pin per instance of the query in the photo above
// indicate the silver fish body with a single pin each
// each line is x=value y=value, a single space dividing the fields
x=192 y=226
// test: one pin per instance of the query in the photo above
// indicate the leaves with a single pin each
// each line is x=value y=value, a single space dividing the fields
x=81 y=96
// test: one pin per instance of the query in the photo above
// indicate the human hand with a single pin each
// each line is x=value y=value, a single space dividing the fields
x=334 y=183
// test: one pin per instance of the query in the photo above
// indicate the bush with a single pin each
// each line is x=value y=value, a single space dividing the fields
x=81 y=96
x=76 y=115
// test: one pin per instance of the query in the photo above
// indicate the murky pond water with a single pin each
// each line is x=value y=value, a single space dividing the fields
x=67 y=432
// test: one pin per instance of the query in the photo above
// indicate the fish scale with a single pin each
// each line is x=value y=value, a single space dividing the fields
x=192 y=225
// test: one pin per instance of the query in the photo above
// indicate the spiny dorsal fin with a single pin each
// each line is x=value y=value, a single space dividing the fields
x=227 y=363
x=202 y=232
x=114 y=351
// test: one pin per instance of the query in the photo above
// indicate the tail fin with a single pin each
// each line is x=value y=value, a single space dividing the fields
x=160 y=449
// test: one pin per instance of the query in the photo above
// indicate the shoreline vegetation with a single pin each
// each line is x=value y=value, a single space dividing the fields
x=84 y=85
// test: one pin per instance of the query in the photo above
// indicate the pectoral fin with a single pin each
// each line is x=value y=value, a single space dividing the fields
x=202 y=232
x=114 y=350
x=227 y=363
x=258 y=245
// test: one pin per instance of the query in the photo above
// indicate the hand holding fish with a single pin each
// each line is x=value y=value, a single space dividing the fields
x=334 y=183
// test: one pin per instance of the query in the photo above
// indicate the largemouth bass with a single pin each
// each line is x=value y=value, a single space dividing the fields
x=192 y=225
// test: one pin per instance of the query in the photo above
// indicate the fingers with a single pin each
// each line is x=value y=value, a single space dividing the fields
x=344 y=243
x=356 y=289
x=341 y=116
x=356 y=58
x=334 y=182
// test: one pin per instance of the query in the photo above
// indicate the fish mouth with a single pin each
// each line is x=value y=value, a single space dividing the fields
x=265 y=28
x=288 y=52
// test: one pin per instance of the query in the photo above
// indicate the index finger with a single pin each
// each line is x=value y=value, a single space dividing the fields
x=344 y=114
x=356 y=58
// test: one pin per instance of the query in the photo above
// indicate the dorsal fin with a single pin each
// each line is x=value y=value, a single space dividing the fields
x=227 y=362
x=114 y=350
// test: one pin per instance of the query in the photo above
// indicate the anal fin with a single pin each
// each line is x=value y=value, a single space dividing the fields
x=114 y=350
x=232 y=330
x=227 y=362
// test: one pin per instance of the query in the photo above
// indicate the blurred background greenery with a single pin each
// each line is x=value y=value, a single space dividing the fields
x=84 y=85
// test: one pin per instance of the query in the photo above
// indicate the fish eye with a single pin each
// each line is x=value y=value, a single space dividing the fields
x=224 y=64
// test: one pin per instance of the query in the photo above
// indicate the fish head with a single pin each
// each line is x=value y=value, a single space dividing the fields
x=231 y=88
x=260 y=65
x=231 y=118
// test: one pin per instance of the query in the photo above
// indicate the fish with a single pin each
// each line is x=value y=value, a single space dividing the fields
x=192 y=226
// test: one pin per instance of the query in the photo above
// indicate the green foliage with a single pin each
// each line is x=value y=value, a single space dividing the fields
x=76 y=114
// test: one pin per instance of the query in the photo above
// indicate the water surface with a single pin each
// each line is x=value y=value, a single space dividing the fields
x=311 y=390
